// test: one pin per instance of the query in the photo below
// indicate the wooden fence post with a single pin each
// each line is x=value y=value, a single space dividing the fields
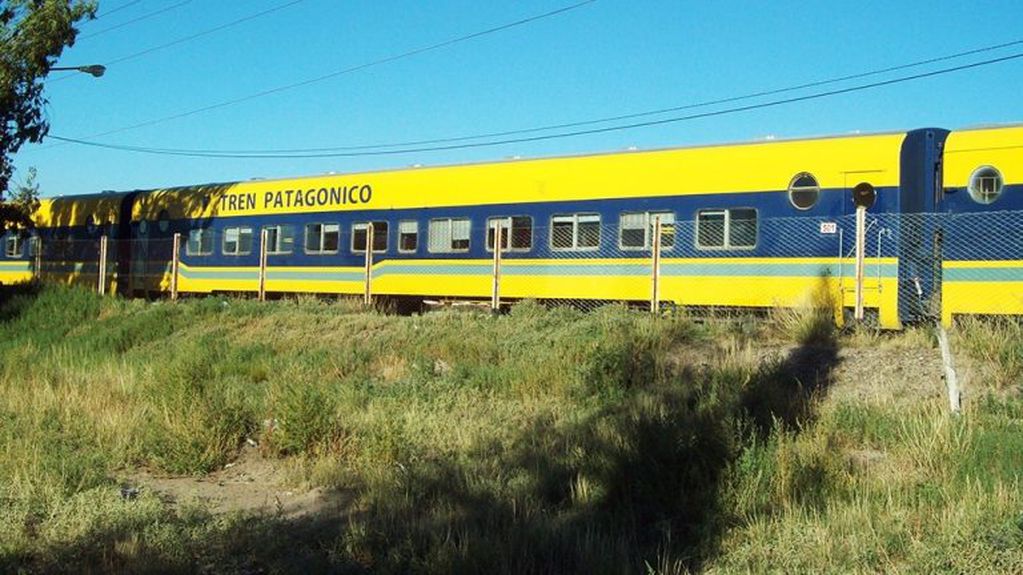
x=368 y=295
x=263 y=235
x=655 y=274
x=175 y=263
x=102 y=287
x=495 y=298
x=38 y=240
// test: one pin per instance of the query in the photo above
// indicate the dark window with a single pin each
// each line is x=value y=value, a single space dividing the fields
x=279 y=239
x=804 y=191
x=322 y=238
x=361 y=230
x=726 y=229
x=516 y=231
x=200 y=242
x=408 y=236
x=237 y=241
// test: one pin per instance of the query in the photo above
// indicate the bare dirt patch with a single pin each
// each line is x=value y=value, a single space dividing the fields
x=250 y=484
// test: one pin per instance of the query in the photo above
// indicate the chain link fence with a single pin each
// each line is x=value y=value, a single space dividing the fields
x=889 y=268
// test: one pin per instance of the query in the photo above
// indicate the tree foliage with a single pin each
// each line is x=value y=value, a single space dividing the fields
x=33 y=33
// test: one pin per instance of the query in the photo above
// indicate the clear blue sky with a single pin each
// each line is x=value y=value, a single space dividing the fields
x=607 y=58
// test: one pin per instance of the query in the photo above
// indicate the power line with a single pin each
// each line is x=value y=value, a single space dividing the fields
x=702 y=104
x=134 y=20
x=649 y=123
x=118 y=9
x=378 y=62
x=186 y=38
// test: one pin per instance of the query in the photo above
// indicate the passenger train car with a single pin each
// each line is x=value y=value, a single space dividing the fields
x=758 y=224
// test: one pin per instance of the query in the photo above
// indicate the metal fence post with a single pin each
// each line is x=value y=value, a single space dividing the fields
x=495 y=298
x=102 y=287
x=368 y=295
x=263 y=235
x=655 y=273
x=175 y=264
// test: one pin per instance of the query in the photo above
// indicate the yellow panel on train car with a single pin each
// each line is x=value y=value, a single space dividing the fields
x=94 y=209
x=967 y=150
x=761 y=166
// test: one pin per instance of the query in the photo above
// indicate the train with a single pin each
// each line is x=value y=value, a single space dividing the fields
x=753 y=225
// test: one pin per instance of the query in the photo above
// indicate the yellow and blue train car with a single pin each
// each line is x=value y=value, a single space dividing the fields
x=759 y=224
x=749 y=225
x=982 y=227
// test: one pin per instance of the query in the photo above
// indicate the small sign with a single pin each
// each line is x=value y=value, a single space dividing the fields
x=829 y=228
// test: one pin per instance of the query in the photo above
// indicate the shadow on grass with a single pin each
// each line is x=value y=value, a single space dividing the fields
x=633 y=485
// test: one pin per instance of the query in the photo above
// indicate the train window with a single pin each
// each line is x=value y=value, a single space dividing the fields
x=90 y=224
x=163 y=221
x=33 y=244
x=726 y=229
x=636 y=230
x=279 y=239
x=322 y=238
x=13 y=245
x=408 y=236
x=449 y=235
x=237 y=241
x=359 y=232
x=575 y=232
x=200 y=242
x=986 y=184
x=804 y=191
x=518 y=230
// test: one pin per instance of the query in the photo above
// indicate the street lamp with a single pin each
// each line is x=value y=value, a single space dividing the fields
x=96 y=70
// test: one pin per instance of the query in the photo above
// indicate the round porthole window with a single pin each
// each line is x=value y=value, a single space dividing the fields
x=163 y=221
x=804 y=191
x=985 y=184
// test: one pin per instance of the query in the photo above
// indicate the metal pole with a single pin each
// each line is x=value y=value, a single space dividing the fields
x=102 y=287
x=655 y=274
x=264 y=233
x=495 y=299
x=861 y=235
x=39 y=256
x=368 y=295
x=175 y=264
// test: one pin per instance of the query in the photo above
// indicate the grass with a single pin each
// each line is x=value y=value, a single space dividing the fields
x=542 y=441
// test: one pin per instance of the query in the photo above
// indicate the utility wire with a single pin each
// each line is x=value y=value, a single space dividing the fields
x=186 y=38
x=702 y=104
x=118 y=9
x=378 y=62
x=134 y=20
x=649 y=123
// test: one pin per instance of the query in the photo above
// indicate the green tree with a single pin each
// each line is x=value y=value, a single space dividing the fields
x=33 y=33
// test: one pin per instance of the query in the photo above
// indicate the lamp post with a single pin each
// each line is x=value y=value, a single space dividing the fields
x=95 y=70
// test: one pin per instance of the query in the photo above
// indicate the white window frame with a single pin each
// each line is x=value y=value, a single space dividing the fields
x=238 y=241
x=364 y=226
x=727 y=246
x=403 y=225
x=13 y=238
x=323 y=235
x=276 y=248
x=506 y=235
x=667 y=219
x=203 y=233
x=450 y=223
x=576 y=219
